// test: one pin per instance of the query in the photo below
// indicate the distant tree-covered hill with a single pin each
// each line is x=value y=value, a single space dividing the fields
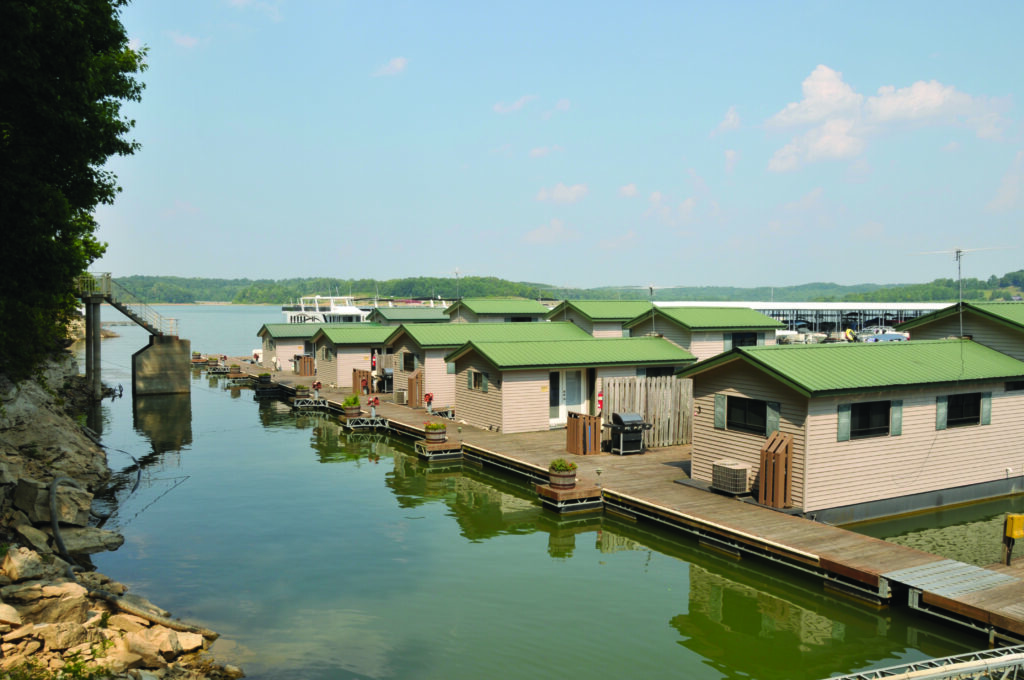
x=172 y=289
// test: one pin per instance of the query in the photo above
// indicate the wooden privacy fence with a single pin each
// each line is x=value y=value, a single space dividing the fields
x=775 y=484
x=666 y=403
x=583 y=434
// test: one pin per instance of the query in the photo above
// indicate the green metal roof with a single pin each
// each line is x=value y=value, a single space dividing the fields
x=304 y=330
x=456 y=334
x=712 y=318
x=589 y=352
x=602 y=310
x=499 y=306
x=1007 y=313
x=817 y=370
x=360 y=334
x=411 y=314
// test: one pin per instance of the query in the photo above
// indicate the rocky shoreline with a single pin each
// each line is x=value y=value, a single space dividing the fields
x=58 y=616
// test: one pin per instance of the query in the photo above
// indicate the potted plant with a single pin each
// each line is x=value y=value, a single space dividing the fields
x=562 y=474
x=350 y=407
x=235 y=368
x=264 y=378
x=302 y=391
x=435 y=432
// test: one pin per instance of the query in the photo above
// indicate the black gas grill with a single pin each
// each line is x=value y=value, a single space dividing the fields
x=628 y=433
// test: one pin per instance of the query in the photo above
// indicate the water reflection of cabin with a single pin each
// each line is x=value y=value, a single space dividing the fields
x=532 y=386
x=878 y=429
x=417 y=352
x=496 y=310
x=999 y=325
x=341 y=349
x=707 y=331
x=600 y=318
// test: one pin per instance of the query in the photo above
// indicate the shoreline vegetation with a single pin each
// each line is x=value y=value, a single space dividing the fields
x=206 y=291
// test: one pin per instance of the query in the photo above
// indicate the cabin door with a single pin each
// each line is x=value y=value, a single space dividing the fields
x=565 y=393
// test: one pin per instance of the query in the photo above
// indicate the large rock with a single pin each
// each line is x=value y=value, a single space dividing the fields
x=22 y=564
x=33 y=498
x=34 y=537
x=9 y=615
x=59 y=636
x=88 y=540
x=38 y=602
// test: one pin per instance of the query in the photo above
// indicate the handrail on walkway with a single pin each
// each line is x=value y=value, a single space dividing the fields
x=1005 y=662
x=103 y=284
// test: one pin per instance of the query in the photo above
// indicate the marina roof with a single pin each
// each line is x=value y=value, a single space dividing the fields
x=712 y=318
x=1005 y=313
x=436 y=335
x=302 y=330
x=835 y=368
x=603 y=310
x=355 y=334
x=411 y=314
x=577 y=353
x=499 y=306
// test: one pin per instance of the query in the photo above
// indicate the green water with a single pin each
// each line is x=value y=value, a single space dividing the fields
x=320 y=554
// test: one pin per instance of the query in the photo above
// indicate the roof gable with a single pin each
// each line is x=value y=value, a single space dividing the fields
x=1006 y=313
x=410 y=314
x=434 y=335
x=712 y=318
x=603 y=310
x=499 y=306
x=355 y=334
x=289 y=330
x=817 y=370
x=583 y=352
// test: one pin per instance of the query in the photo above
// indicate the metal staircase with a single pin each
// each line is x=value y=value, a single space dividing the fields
x=123 y=300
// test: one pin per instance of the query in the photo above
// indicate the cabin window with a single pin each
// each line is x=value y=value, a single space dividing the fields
x=746 y=415
x=659 y=371
x=963 y=409
x=408 y=362
x=477 y=381
x=869 y=419
x=1015 y=385
x=744 y=339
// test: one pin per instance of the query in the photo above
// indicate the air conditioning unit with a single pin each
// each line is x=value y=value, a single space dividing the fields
x=730 y=476
x=401 y=397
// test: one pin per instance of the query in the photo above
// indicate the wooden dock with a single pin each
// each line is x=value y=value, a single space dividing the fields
x=642 y=487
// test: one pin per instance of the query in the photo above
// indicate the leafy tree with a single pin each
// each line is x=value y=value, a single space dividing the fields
x=65 y=69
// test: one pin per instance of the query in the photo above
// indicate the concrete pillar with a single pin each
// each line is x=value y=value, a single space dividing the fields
x=92 y=345
x=162 y=367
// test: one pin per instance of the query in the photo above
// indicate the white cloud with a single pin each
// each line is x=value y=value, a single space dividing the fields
x=561 y=106
x=182 y=40
x=1011 y=187
x=951 y=147
x=730 y=122
x=271 y=9
x=394 y=67
x=623 y=242
x=542 y=151
x=825 y=95
x=551 y=233
x=731 y=156
x=839 y=121
x=560 y=193
x=517 y=105
x=655 y=197
x=686 y=208
x=628 y=190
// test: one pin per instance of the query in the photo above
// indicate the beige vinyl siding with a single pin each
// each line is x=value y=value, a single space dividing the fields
x=920 y=459
x=612 y=372
x=525 y=401
x=401 y=376
x=464 y=316
x=578 y=319
x=475 y=407
x=606 y=329
x=326 y=369
x=349 y=358
x=287 y=349
x=984 y=331
x=710 y=445
x=670 y=331
x=437 y=380
x=268 y=352
x=706 y=344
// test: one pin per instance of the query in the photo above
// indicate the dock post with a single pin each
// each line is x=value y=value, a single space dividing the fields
x=92 y=345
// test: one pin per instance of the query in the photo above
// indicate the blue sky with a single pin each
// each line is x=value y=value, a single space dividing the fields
x=574 y=143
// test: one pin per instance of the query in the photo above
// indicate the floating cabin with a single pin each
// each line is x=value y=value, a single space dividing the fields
x=283 y=341
x=342 y=349
x=600 y=318
x=417 y=353
x=396 y=316
x=999 y=325
x=495 y=310
x=707 y=331
x=531 y=386
x=877 y=429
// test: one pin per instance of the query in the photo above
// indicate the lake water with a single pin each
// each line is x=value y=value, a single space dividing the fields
x=319 y=554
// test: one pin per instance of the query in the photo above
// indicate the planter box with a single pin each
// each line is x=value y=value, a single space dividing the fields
x=562 y=479
x=436 y=435
x=351 y=411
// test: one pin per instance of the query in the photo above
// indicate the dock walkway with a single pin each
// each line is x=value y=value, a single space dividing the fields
x=989 y=600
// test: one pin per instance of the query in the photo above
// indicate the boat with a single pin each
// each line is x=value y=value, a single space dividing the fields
x=325 y=309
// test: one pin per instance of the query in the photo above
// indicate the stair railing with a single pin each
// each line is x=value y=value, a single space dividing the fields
x=104 y=285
